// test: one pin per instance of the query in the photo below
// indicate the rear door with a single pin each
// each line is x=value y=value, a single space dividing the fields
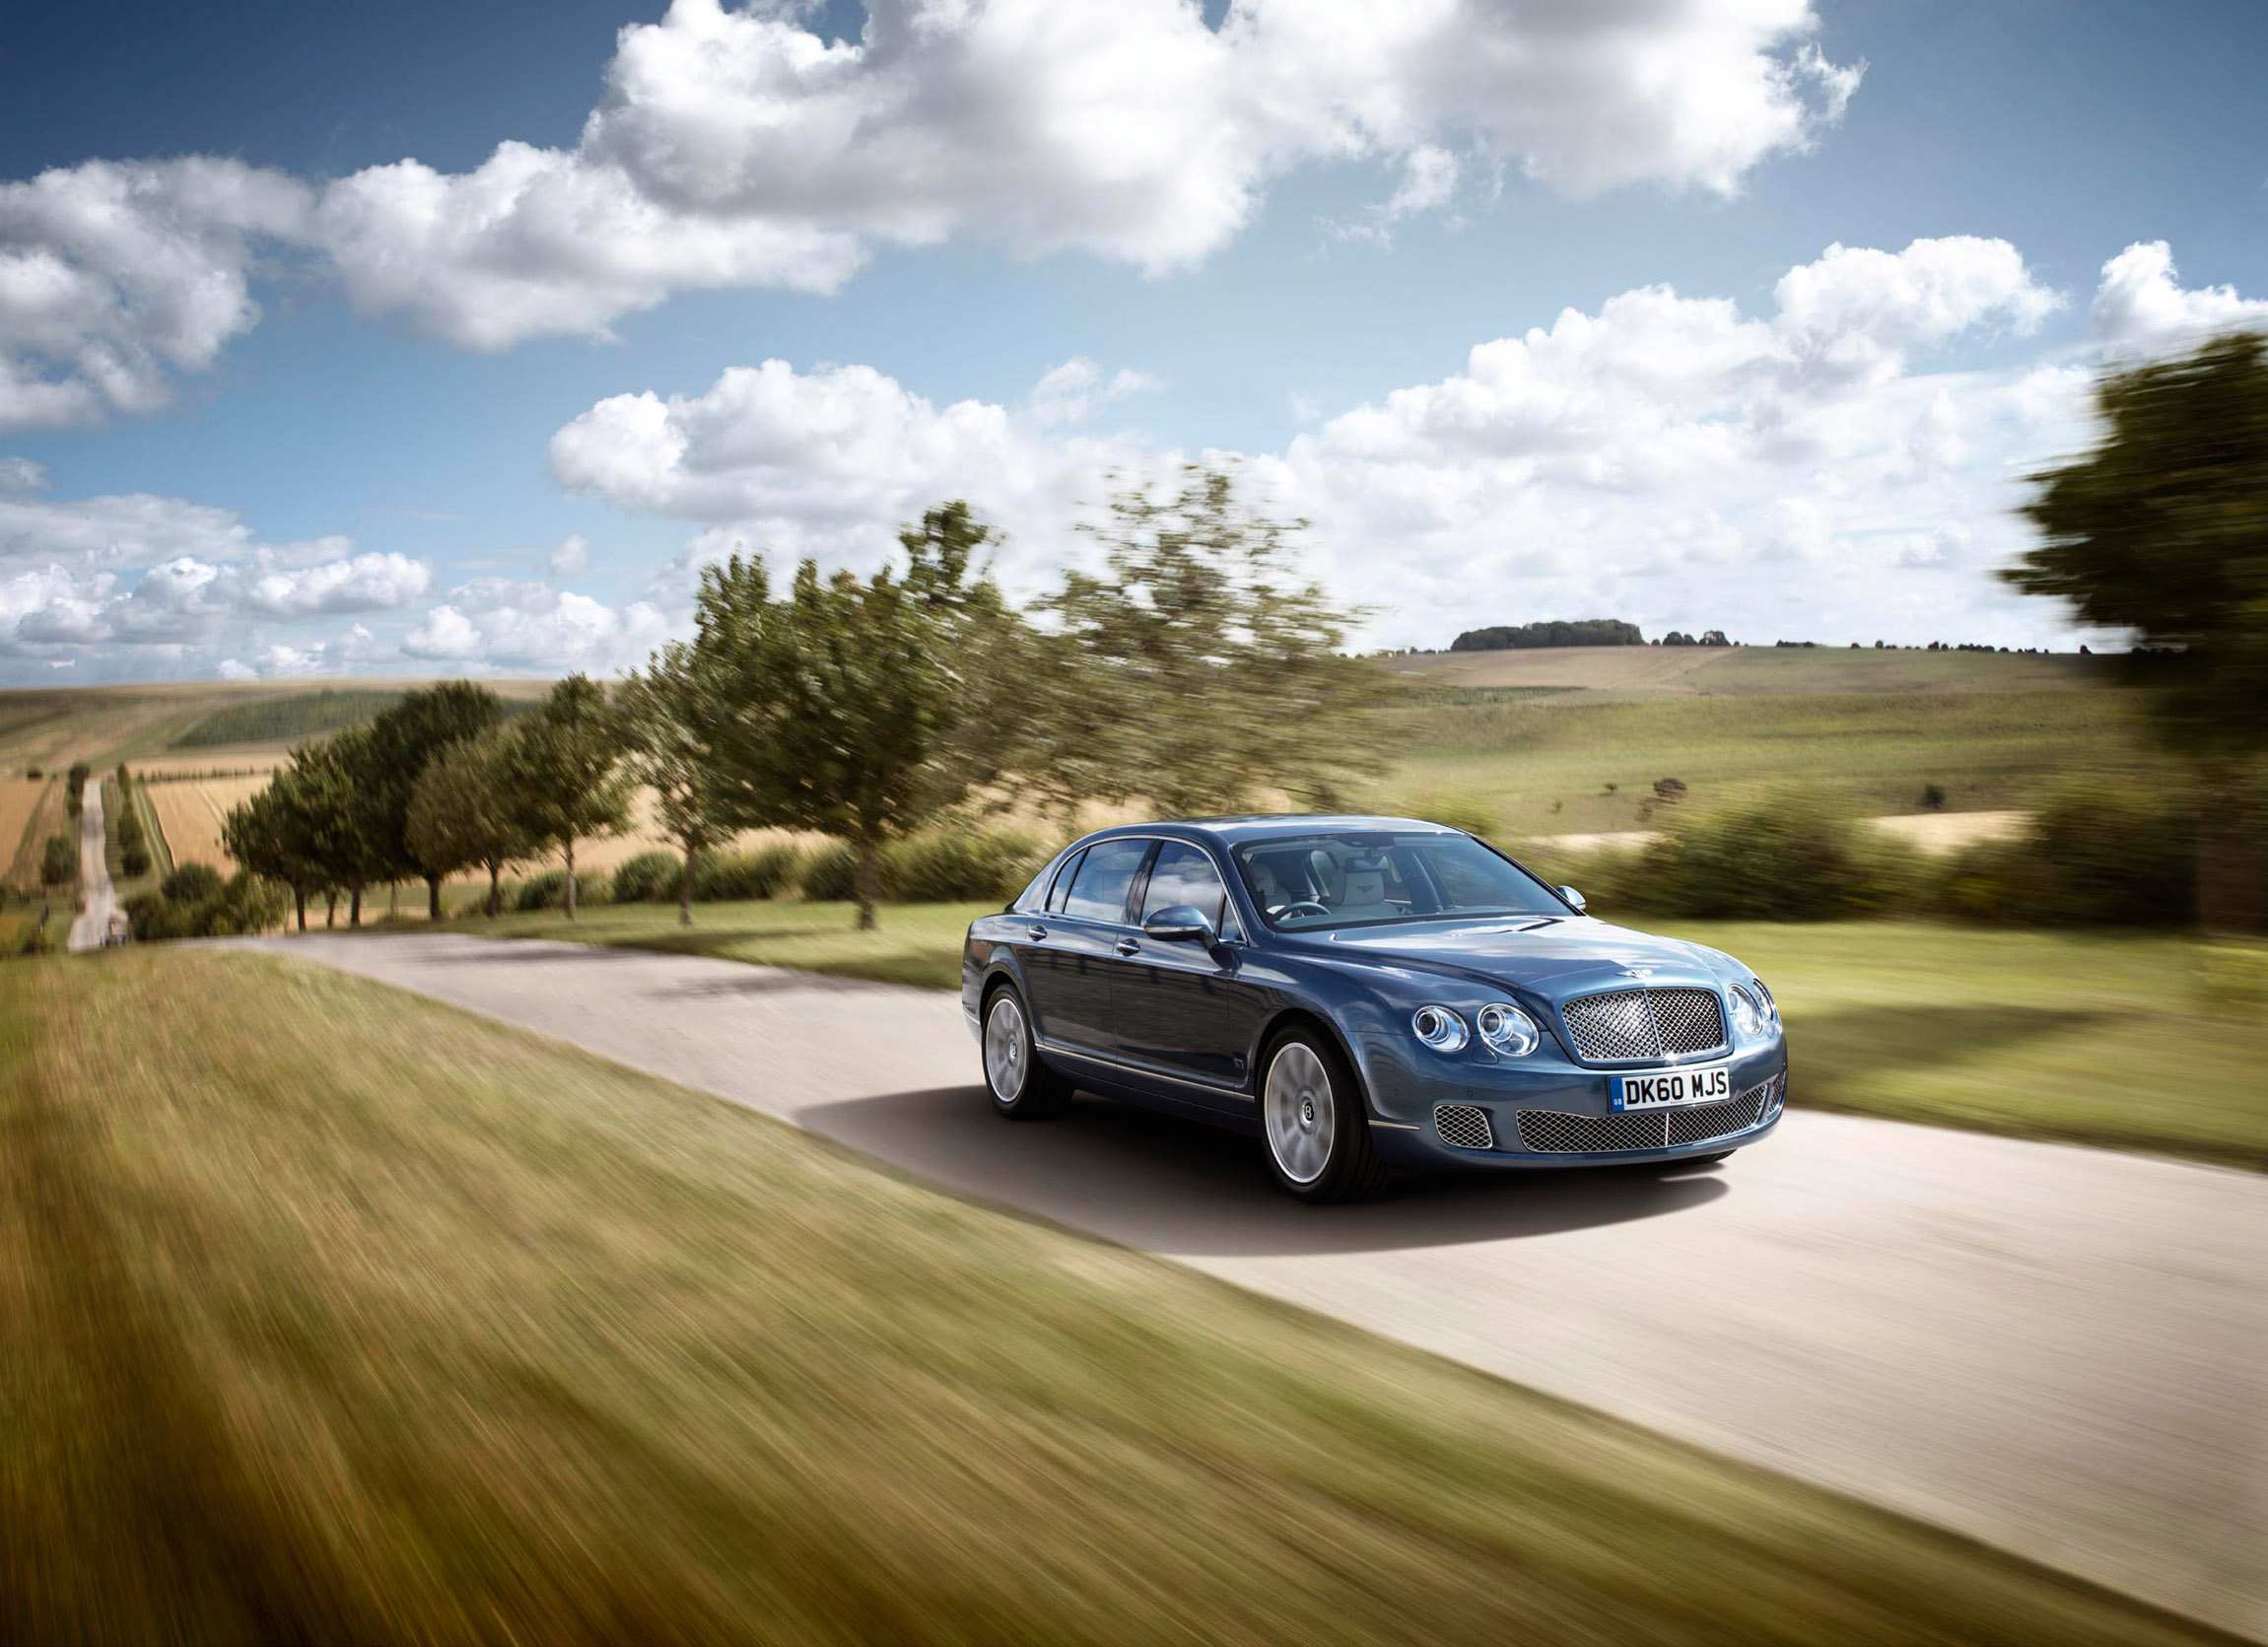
x=1180 y=1008
x=1082 y=930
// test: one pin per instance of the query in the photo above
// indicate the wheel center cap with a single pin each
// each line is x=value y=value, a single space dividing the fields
x=1307 y=1112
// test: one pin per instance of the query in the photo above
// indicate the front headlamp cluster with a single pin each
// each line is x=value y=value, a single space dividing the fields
x=1503 y=1028
x=1755 y=1016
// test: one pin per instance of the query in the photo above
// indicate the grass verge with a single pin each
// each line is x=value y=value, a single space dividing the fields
x=2124 y=1040
x=329 y=1312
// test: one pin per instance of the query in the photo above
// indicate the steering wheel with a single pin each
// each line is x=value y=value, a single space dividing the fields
x=1301 y=905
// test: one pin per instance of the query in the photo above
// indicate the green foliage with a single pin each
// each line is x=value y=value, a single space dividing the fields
x=191 y=883
x=59 y=862
x=1197 y=669
x=464 y=814
x=829 y=876
x=2162 y=531
x=36 y=940
x=736 y=877
x=2093 y=856
x=75 y=788
x=201 y=904
x=674 y=716
x=561 y=769
x=953 y=865
x=649 y=878
x=861 y=708
x=548 y=890
x=1588 y=631
x=134 y=860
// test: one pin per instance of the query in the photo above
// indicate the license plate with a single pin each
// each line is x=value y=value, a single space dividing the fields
x=1707 y=1085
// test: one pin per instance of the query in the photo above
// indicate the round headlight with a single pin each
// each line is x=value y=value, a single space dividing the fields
x=1771 y=1006
x=1508 y=1029
x=1750 y=1021
x=1439 y=1028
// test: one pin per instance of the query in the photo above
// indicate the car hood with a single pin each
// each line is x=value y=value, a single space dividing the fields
x=1553 y=958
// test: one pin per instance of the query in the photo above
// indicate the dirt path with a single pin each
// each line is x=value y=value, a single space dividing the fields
x=94 y=874
x=2058 y=1350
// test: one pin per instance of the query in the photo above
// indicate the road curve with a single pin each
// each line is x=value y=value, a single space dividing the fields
x=2057 y=1350
x=93 y=874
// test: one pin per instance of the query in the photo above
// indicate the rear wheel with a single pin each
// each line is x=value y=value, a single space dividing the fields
x=1316 y=1126
x=1021 y=1088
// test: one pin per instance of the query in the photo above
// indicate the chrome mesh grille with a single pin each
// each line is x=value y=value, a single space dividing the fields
x=1552 y=1132
x=1624 y=1026
x=1464 y=1126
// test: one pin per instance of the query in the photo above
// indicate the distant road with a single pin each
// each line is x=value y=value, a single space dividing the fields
x=2057 y=1350
x=93 y=874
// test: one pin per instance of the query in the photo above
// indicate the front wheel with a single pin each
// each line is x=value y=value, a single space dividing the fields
x=1316 y=1126
x=1021 y=1088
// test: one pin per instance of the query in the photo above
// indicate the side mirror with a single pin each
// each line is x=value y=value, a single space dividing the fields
x=1575 y=898
x=1179 y=923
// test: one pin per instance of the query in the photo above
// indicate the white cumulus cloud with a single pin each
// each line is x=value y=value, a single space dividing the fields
x=735 y=147
x=2142 y=307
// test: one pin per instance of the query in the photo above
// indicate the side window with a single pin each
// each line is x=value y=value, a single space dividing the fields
x=1184 y=874
x=1104 y=877
x=1062 y=886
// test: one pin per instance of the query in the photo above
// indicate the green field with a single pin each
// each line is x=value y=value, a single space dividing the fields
x=1542 y=764
x=2149 y=1042
x=327 y=1313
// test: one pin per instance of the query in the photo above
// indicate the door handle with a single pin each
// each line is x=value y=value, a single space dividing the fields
x=1128 y=946
x=1035 y=931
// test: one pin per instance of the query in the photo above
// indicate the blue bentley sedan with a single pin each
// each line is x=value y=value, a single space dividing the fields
x=1365 y=995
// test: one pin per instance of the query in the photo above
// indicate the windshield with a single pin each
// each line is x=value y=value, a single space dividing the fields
x=1305 y=882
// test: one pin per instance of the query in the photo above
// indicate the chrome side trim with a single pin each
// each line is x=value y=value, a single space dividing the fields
x=1143 y=1070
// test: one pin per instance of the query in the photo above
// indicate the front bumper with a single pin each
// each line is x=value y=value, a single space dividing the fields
x=1528 y=1117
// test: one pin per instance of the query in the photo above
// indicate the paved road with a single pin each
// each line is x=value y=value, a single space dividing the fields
x=94 y=874
x=2057 y=1350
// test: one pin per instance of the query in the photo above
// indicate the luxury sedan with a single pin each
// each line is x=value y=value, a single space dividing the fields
x=1365 y=995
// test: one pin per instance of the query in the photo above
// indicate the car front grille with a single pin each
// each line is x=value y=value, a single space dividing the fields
x=1464 y=1126
x=1629 y=1026
x=1554 y=1133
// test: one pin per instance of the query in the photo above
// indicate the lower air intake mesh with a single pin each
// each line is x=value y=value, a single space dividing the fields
x=1464 y=1126
x=1553 y=1133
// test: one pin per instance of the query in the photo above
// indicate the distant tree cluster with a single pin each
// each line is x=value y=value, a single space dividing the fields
x=1587 y=632
x=867 y=709
x=1709 y=637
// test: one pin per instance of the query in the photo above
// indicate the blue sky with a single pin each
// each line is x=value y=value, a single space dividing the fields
x=258 y=419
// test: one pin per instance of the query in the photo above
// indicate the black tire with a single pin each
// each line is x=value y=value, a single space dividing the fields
x=1039 y=1093
x=1317 y=1139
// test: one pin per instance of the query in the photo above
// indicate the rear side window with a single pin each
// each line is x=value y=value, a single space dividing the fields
x=1062 y=890
x=1104 y=877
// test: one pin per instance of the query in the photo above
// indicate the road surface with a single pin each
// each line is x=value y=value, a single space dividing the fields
x=2057 y=1350
x=93 y=874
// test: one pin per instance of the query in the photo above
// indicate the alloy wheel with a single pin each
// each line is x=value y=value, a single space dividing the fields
x=1302 y=1119
x=1005 y=1049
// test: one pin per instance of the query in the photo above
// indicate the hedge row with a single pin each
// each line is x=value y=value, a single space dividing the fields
x=2089 y=857
x=938 y=866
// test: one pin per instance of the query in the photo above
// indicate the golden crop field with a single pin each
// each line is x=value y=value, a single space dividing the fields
x=19 y=799
x=190 y=812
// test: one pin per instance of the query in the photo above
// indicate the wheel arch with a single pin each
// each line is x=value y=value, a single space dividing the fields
x=1298 y=1016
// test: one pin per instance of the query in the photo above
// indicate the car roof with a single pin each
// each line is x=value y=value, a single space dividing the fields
x=1267 y=826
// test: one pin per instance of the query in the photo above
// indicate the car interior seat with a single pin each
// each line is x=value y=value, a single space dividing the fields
x=1362 y=892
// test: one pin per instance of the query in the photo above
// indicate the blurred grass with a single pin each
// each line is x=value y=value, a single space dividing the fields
x=330 y=1313
x=2152 y=1041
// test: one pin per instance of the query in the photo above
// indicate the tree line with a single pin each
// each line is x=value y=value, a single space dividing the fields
x=1192 y=665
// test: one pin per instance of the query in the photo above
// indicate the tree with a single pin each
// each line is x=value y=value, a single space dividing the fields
x=1199 y=670
x=861 y=708
x=403 y=741
x=673 y=716
x=75 y=787
x=337 y=785
x=560 y=765
x=463 y=814
x=274 y=836
x=59 y=862
x=2162 y=531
